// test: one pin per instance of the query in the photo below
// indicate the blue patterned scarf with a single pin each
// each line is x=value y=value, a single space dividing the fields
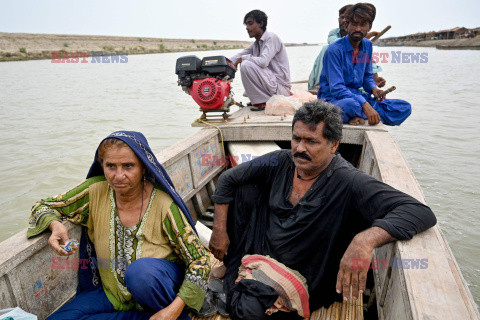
x=156 y=174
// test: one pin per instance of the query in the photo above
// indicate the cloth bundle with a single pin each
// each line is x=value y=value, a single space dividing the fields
x=290 y=285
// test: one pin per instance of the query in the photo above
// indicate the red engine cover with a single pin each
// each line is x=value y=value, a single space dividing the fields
x=210 y=93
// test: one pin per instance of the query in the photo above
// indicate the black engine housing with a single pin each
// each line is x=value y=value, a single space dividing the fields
x=189 y=68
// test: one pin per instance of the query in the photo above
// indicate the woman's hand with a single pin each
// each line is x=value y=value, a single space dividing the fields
x=59 y=236
x=172 y=312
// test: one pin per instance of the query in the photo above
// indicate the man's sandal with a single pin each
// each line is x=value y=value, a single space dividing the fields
x=258 y=107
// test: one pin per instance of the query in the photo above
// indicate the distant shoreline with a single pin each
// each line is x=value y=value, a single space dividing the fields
x=452 y=44
x=28 y=46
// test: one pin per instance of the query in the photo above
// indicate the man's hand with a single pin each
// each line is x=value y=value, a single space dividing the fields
x=372 y=115
x=353 y=269
x=379 y=81
x=372 y=34
x=172 y=312
x=237 y=63
x=356 y=261
x=219 y=240
x=59 y=236
x=378 y=94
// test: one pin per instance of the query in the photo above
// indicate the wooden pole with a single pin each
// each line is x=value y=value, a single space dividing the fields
x=385 y=92
x=381 y=33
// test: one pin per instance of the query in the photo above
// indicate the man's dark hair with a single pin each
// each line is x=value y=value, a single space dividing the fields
x=361 y=12
x=344 y=8
x=314 y=112
x=258 y=16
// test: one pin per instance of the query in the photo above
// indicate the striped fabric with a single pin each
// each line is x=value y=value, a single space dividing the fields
x=290 y=284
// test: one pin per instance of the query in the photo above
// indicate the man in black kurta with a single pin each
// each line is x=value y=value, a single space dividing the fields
x=311 y=235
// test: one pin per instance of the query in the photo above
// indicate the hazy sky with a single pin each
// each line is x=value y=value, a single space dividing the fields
x=294 y=21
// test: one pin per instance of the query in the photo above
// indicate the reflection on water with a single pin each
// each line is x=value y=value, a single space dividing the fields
x=53 y=116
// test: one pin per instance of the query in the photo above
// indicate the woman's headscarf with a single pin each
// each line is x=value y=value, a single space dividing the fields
x=155 y=173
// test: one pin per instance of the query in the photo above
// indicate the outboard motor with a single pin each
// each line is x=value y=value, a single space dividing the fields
x=207 y=81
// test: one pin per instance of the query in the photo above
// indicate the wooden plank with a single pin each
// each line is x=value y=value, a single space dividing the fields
x=198 y=204
x=283 y=132
x=383 y=256
x=205 y=160
x=241 y=151
x=46 y=283
x=205 y=197
x=397 y=304
x=172 y=154
x=214 y=175
x=446 y=295
x=7 y=297
x=211 y=188
x=17 y=248
x=246 y=125
x=28 y=273
x=181 y=176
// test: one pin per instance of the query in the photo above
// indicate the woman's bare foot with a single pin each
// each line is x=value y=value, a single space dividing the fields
x=356 y=121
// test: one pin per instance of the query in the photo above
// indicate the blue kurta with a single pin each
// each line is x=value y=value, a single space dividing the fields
x=313 y=80
x=343 y=75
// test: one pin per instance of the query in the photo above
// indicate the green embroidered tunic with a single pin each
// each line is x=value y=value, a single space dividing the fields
x=163 y=233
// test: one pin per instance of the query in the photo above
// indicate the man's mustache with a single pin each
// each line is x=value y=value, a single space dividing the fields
x=302 y=155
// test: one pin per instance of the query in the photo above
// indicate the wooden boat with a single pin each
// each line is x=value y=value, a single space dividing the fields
x=439 y=291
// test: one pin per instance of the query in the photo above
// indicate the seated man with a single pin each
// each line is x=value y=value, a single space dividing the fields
x=347 y=66
x=334 y=35
x=311 y=210
x=264 y=64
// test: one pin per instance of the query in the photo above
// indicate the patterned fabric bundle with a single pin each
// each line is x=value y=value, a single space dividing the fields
x=290 y=284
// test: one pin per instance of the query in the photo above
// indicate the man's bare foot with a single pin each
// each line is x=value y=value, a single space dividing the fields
x=356 y=121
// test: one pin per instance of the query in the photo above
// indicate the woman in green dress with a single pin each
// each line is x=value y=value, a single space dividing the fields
x=150 y=261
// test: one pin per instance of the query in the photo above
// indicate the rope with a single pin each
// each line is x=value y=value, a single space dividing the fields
x=211 y=124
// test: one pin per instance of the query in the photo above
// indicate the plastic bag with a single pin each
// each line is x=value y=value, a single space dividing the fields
x=16 y=314
x=305 y=96
x=282 y=105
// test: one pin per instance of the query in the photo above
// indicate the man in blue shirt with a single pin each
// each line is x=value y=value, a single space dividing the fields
x=347 y=66
x=334 y=35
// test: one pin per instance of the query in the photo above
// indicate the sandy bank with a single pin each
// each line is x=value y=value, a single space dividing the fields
x=471 y=44
x=26 y=46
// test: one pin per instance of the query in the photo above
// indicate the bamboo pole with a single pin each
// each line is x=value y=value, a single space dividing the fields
x=338 y=310
x=344 y=309
x=350 y=300
x=329 y=313
x=361 y=306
